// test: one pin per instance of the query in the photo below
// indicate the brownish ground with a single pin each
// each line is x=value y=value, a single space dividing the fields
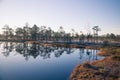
x=106 y=69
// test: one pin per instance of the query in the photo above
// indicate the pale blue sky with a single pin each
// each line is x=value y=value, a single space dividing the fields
x=78 y=14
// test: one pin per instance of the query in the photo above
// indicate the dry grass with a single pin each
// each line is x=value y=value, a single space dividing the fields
x=109 y=51
x=106 y=69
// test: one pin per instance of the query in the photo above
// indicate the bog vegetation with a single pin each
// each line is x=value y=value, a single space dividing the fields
x=105 y=69
x=43 y=33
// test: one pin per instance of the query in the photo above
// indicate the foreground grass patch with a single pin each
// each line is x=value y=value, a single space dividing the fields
x=106 y=69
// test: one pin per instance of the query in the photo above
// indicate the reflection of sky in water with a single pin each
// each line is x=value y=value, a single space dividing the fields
x=14 y=66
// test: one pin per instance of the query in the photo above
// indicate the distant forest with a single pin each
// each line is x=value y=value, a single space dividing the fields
x=45 y=34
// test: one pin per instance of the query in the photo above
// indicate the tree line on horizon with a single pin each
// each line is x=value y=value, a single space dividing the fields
x=43 y=33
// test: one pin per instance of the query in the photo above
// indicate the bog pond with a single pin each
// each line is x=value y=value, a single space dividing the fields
x=20 y=61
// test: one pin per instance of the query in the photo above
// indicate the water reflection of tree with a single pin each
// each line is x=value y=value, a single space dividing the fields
x=59 y=52
x=7 y=48
x=81 y=52
x=89 y=54
x=69 y=50
x=45 y=52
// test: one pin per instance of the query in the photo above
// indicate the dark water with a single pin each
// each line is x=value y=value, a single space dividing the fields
x=20 y=61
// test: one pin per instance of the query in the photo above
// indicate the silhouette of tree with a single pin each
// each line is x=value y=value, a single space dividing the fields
x=72 y=33
x=82 y=37
x=49 y=32
x=112 y=36
x=89 y=36
x=61 y=33
x=19 y=34
x=8 y=32
x=26 y=32
x=95 y=31
x=35 y=32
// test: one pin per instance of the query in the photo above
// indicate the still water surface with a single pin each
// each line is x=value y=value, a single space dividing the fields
x=20 y=61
